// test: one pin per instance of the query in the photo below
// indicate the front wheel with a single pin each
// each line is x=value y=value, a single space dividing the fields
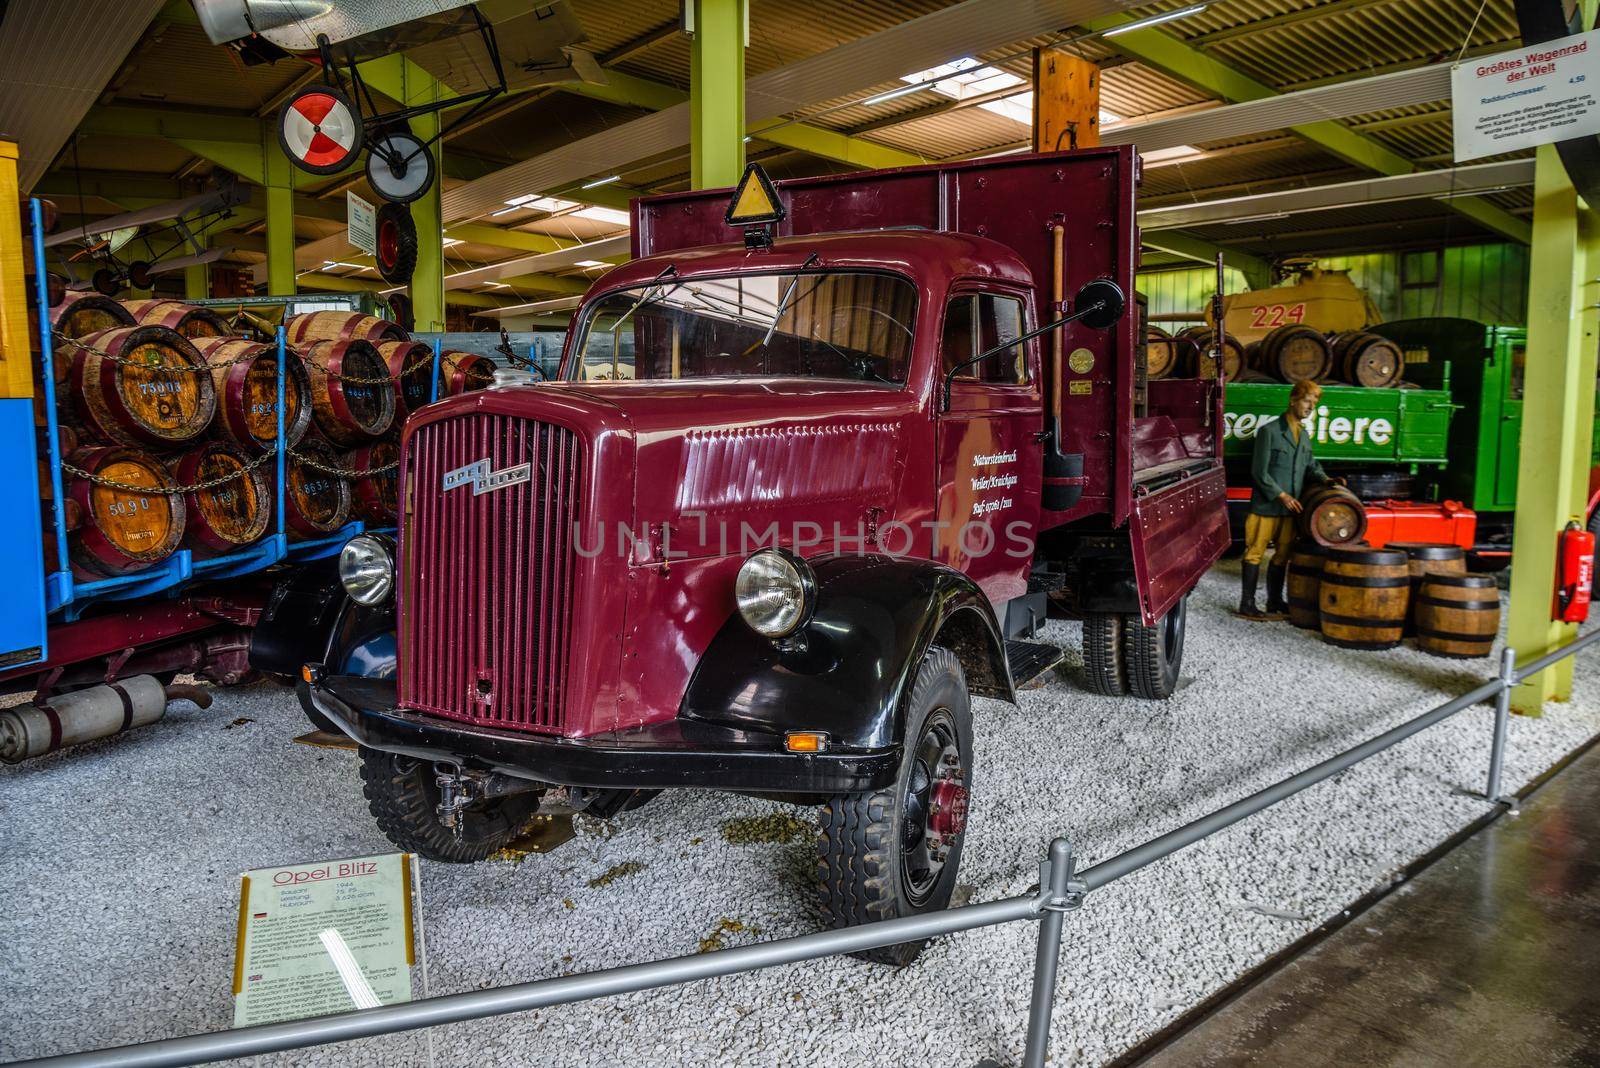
x=895 y=852
x=403 y=796
x=1154 y=655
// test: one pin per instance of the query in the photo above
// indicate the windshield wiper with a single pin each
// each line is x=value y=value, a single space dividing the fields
x=646 y=295
x=783 y=304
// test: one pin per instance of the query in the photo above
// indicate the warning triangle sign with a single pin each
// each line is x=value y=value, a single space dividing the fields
x=755 y=200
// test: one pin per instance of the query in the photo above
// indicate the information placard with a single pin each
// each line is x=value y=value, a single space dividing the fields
x=1532 y=96
x=321 y=938
x=363 y=224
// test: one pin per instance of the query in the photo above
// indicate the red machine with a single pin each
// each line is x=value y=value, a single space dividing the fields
x=1574 y=574
x=808 y=481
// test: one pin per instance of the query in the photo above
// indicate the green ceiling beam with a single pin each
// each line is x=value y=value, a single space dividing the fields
x=1166 y=53
x=561 y=285
x=629 y=91
x=1257 y=271
x=520 y=240
x=173 y=125
x=310 y=283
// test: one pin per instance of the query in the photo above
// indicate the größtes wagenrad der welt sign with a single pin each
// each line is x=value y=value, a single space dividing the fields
x=1535 y=95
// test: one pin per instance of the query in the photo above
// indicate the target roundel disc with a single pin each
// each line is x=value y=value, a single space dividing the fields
x=320 y=130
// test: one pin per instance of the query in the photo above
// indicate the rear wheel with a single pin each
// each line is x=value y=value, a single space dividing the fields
x=1102 y=654
x=403 y=796
x=895 y=852
x=1154 y=655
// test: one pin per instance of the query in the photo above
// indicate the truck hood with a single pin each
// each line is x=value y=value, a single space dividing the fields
x=718 y=462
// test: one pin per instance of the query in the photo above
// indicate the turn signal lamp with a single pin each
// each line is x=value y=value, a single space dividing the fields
x=806 y=741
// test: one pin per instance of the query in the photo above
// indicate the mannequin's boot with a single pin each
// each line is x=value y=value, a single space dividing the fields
x=1277 y=607
x=1250 y=576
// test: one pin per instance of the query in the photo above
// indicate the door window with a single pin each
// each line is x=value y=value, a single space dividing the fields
x=977 y=322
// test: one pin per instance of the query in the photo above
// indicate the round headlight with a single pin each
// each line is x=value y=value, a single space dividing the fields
x=366 y=568
x=775 y=592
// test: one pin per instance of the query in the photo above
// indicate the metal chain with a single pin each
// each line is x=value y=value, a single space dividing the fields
x=207 y=368
x=172 y=490
x=342 y=472
x=213 y=483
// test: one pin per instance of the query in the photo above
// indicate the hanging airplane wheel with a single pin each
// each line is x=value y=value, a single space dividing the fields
x=140 y=275
x=106 y=282
x=320 y=130
x=397 y=244
x=399 y=166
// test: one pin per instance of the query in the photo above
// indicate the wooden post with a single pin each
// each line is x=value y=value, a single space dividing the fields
x=1066 y=101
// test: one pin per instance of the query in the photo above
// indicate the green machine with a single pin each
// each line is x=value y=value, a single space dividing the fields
x=1352 y=424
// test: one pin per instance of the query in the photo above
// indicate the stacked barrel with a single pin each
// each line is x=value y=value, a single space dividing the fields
x=168 y=426
x=1190 y=353
x=1295 y=351
x=1362 y=597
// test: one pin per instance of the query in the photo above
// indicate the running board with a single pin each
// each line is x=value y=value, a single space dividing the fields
x=1029 y=660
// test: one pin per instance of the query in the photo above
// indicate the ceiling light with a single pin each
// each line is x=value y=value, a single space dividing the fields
x=498 y=285
x=1265 y=217
x=451 y=241
x=605 y=215
x=593 y=263
x=506 y=211
x=601 y=181
x=748 y=139
x=891 y=94
x=1156 y=20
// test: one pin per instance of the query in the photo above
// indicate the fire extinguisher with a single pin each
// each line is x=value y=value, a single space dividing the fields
x=1574 y=574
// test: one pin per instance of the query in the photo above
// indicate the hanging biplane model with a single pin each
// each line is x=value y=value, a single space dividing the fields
x=325 y=125
x=184 y=222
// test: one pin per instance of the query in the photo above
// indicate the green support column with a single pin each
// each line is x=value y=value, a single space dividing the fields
x=716 y=92
x=279 y=175
x=427 y=283
x=197 y=277
x=1557 y=419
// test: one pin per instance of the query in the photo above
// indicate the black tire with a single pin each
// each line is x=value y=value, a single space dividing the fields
x=1103 y=667
x=397 y=244
x=1154 y=655
x=875 y=861
x=403 y=797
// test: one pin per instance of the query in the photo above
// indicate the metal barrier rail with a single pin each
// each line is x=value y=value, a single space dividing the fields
x=1061 y=890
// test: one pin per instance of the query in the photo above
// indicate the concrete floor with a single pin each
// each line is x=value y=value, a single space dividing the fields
x=1488 y=957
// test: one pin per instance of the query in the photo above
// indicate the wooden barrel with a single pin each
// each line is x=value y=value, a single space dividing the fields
x=225 y=517
x=1457 y=616
x=463 y=372
x=245 y=376
x=302 y=330
x=1165 y=356
x=141 y=385
x=1425 y=559
x=82 y=312
x=127 y=527
x=1365 y=359
x=1203 y=365
x=1294 y=352
x=315 y=501
x=411 y=364
x=1362 y=597
x=1304 y=586
x=186 y=319
x=351 y=392
x=1331 y=515
x=375 y=486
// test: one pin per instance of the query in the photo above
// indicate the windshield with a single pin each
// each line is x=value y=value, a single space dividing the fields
x=833 y=324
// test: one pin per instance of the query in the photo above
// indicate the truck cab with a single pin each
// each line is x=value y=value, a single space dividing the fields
x=809 y=478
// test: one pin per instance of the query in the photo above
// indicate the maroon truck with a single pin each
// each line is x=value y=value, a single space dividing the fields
x=802 y=487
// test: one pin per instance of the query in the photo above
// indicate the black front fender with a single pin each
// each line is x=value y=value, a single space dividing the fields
x=857 y=658
x=310 y=619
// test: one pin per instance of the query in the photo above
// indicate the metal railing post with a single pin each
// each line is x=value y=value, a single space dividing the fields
x=1058 y=899
x=1502 y=718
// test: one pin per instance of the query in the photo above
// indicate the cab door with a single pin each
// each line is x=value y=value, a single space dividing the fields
x=990 y=455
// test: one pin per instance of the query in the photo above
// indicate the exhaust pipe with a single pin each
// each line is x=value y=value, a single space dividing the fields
x=28 y=731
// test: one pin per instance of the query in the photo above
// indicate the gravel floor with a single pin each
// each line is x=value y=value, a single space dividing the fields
x=119 y=870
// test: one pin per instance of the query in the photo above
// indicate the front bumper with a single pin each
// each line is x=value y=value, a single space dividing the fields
x=679 y=752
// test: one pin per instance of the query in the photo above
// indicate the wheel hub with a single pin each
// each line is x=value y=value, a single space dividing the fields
x=947 y=808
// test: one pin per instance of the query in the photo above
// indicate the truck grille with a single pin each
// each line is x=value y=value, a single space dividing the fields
x=486 y=596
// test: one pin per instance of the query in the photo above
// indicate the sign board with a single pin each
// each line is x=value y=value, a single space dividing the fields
x=322 y=938
x=363 y=224
x=1535 y=95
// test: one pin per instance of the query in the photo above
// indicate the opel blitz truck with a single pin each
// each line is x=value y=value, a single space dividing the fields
x=821 y=459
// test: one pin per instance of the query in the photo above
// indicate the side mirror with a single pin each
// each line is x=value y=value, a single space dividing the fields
x=1104 y=301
